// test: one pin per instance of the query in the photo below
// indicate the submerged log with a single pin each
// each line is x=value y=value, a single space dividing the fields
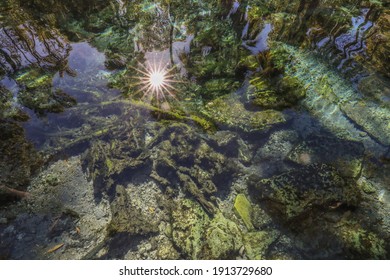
x=17 y=193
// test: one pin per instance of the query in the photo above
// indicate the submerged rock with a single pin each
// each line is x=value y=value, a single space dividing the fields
x=373 y=118
x=199 y=236
x=271 y=157
x=359 y=242
x=8 y=108
x=346 y=156
x=232 y=145
x=230 y=112
x=183 y=159
x=301 y=192
x=336 y=104
x=40 y=96
x=223 y=239
x=257 y=243
x=128 y=217
x=18 y=160
x=188 y=228
x=58 y=211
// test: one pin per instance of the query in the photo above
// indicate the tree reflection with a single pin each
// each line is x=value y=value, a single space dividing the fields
x=24 y=43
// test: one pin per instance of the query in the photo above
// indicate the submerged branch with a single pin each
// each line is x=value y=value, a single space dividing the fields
x=203 y=123
x=20 y=194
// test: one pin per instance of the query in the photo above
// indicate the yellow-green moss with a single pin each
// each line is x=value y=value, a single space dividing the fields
x=243 y=209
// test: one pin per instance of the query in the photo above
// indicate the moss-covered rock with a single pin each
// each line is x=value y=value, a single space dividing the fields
x=8 y=108
x=217 y=87
x=39 y=94
x=366 y=186
x=273 y=87
x=346 y=156
x=223 y=239
x=243 y=210
x=303 y=191
x=188 y=227
x=230 y=112
x=5 y=102
x=200 y=237
x=257 y=243
x=127 y=217
x=361 y=243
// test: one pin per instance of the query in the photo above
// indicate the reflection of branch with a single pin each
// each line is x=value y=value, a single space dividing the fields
x=24 y=38
x=15 y=192
x=172 y=23
x=8 y=59
x=28 y=43
x=31 y=37
x=16 y=46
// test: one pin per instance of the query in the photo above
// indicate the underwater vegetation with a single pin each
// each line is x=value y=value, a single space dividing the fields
x=176 y=129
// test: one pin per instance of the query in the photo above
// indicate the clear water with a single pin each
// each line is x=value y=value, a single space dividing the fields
x=199 y=137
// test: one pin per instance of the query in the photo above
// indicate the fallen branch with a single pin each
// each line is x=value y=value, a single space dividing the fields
x=15 y=192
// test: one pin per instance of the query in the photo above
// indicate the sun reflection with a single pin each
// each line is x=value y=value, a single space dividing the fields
x=155 y=81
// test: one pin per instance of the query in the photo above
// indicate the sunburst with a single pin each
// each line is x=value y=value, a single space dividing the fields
x=155 y=81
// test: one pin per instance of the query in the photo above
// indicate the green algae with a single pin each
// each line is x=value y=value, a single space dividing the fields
x=8 y=110
x=202 y=237
x=366 y=185
x=5 y=101
x=39 y=95
x=243 y=209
